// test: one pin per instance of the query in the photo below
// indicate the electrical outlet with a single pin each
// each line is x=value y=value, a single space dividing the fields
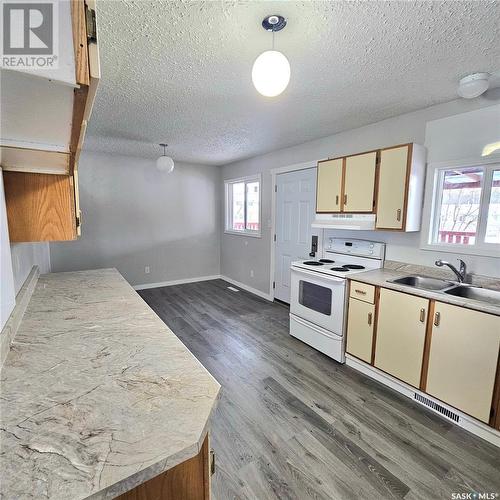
x=251 y=273
x=146 y=270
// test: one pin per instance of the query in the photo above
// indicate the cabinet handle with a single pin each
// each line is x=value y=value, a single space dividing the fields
x=337 y=200
x=362 y=292
x=398 y=214
x=212 y=462
x=345 y=199
x=422 y=315
x=437 y=319
x=369 y=319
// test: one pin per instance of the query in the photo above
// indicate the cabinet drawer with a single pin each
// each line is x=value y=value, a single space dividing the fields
x=362 y=291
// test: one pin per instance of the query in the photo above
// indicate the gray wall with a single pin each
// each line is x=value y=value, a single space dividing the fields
x=240 y=255
x=25 y=256
x=135 y=216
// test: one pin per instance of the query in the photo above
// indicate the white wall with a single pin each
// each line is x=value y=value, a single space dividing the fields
x=25 y=256
x=239 y=255
x=135 y=216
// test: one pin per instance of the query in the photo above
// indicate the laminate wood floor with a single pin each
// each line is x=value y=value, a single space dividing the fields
x=294 y=424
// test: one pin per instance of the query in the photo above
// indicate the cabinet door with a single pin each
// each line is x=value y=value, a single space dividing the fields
x=392 y=188
x=40 y=207
x=359 y=182
x=328 y=198
x=400 y=340
x=360 y=329
x=463 y=359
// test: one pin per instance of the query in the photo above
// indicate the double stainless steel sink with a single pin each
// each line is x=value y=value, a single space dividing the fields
x=450 y=288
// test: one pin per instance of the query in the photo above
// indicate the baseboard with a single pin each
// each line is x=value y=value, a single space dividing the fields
x=465 y=421
x=175 y=282
x=247 y=288
x=22 y=300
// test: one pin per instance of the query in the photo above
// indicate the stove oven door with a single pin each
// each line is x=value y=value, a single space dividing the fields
x=318 y=298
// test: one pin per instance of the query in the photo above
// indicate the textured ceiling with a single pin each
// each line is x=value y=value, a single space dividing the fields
x=180 y=71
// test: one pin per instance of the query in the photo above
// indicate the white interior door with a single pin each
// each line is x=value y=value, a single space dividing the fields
x=295 y=212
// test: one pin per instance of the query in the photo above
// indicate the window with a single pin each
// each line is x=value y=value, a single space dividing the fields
x=467 y=208
x=242 y=208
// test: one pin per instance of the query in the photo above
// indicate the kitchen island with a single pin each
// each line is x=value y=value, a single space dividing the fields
x=98 y=396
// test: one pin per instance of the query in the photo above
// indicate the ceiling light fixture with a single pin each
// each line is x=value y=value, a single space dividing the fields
x=271 y=70
x=473 y=85
x=164 y=163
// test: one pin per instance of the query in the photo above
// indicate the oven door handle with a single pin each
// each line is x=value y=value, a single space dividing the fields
x=315 y=328
x=327 y=277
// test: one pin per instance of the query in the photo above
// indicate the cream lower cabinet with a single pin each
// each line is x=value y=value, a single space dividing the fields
x=329 y=191
x=401 y=327
x=463 y=359
x=360 y=322
x=359 y=183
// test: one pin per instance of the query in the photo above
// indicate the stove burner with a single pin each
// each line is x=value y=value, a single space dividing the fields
x=353 y=266
x=313 y=263
x=339 y=269
x=326 y=261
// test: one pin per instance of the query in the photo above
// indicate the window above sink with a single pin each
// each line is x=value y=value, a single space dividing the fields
x=465 y=208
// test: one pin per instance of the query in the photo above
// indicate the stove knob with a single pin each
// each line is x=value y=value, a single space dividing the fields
x=371 y=251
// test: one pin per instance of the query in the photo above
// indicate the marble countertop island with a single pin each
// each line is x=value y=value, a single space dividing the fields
x=97 y=394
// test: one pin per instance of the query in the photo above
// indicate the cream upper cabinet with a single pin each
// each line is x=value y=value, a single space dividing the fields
x=360 y=322
x=463 y=359
x=329 y=192
x=359 y=183
x=401 y=327
x=400 y=187
x=392 y=187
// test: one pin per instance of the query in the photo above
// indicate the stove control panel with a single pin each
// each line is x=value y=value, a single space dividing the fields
x=360 y=248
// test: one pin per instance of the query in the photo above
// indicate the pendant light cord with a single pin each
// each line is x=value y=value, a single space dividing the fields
x=273 y=39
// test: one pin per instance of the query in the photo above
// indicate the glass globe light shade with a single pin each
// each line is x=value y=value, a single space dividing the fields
x=271 y=73
x=165 y=164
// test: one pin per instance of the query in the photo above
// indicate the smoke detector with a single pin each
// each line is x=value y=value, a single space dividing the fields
x=473 y=85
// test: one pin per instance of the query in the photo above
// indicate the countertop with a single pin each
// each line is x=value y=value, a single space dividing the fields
x=97 y=394
x=379 y=277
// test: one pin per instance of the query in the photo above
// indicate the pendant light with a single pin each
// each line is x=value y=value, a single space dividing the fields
x=164 y=163
x=271 y=70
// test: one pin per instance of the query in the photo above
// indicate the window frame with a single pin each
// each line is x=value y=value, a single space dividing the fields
x=228 y=205
x=430 y=222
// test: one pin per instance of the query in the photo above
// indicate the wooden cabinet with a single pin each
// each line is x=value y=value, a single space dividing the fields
x=45 y=113
x=359 y=183
x=401 y=328
x=463 y=356
x=40 y=207
x=329 y=191
x=387 y=182
x=400 y=187
x=190 y=480
x=360 y=322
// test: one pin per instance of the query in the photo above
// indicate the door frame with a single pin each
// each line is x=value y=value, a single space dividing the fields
x=274 y=172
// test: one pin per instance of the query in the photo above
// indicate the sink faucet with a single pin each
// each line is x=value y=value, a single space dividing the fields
x=461 y=275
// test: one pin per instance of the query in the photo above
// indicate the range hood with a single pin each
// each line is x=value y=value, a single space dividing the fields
x=358 y=222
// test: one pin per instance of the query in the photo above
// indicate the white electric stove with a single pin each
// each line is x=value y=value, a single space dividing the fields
x=318 y=297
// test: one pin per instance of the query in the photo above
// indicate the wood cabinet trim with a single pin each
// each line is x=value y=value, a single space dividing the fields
x=375 y=324
x=495 y=407
x=79 y=24
x=427 y=345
